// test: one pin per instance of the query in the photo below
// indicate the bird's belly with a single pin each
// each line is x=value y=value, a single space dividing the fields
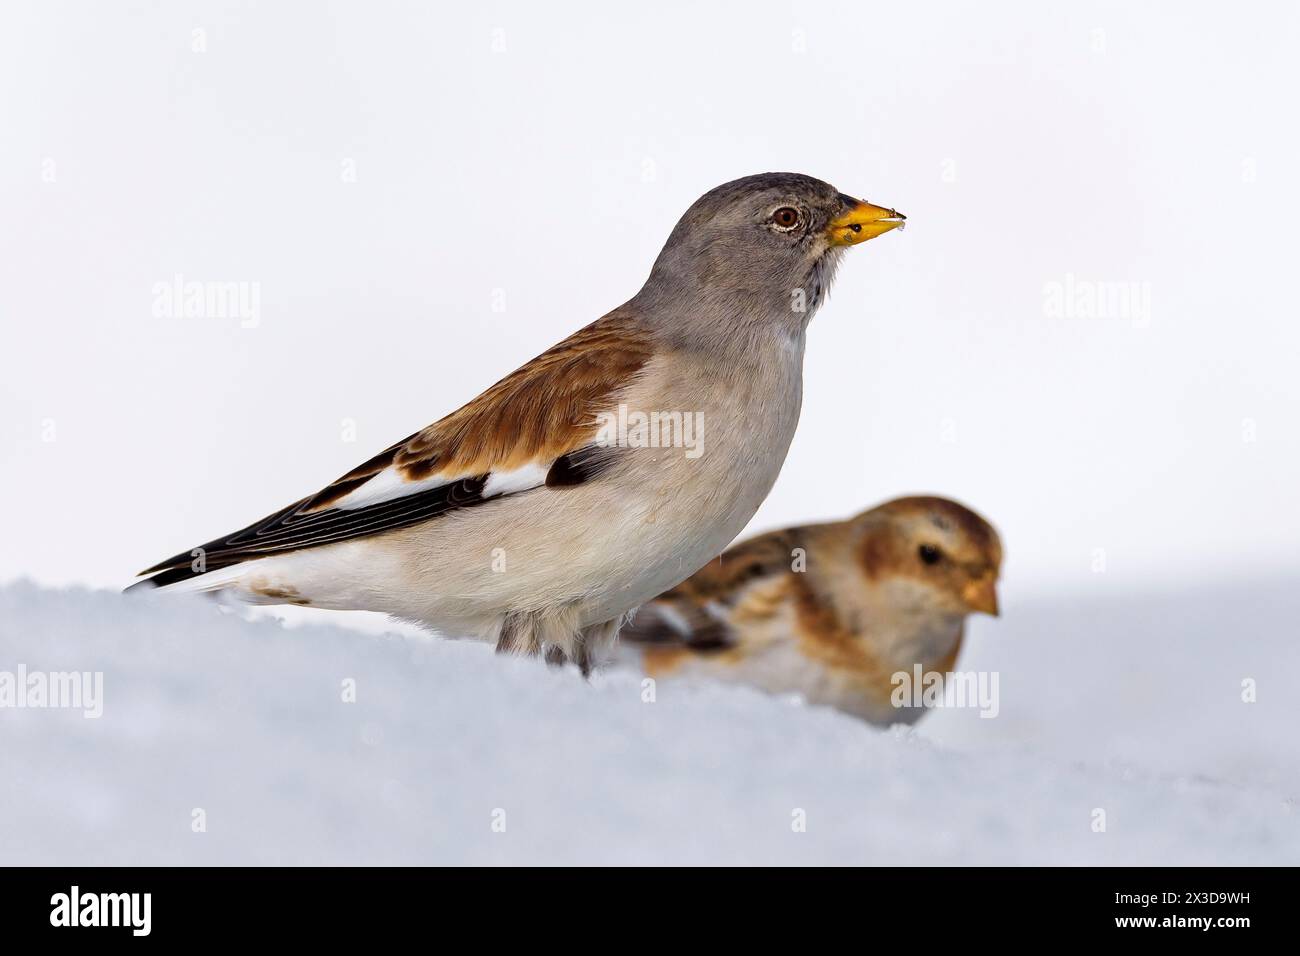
x=600 y=548
x=677 y=530
x=605 y=548
x=680 y=513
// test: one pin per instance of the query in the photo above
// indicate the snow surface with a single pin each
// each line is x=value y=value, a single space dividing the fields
x=1133 y=707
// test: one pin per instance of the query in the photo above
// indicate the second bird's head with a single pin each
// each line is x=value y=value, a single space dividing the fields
x=930 y=556
x=765 y=242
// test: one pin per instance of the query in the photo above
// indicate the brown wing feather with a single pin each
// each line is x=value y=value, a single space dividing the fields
x=540 y=413
x=536 y=413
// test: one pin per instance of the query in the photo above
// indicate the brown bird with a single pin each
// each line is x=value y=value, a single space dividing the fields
x=603 y=471
x=830 y=611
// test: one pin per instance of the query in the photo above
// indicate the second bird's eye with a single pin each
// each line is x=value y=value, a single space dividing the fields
x=929 y=554
x=787 y=217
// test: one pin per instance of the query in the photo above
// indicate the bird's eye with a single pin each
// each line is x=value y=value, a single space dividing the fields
x=787 y=217
x=929 y=553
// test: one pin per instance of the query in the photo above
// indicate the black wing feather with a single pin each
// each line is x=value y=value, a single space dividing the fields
x=300 y=526
x=295 y=527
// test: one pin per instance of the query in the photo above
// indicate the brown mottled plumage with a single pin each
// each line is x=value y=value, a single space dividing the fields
x=830 y=611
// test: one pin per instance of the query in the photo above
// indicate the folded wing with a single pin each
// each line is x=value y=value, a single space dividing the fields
x=535 y=428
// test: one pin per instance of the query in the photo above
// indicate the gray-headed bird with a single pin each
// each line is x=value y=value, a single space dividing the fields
x=596 y=476
x=831 y=612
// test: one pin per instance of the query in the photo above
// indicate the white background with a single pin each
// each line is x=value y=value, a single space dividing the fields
x=1151 y=143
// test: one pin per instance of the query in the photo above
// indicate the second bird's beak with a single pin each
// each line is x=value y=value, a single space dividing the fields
x=982 y=595
x=863 y=221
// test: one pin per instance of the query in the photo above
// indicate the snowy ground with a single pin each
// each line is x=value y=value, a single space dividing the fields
x=1130 y=706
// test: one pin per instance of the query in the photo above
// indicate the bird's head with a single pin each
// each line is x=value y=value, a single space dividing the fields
x=931 y=555
x=768 y=242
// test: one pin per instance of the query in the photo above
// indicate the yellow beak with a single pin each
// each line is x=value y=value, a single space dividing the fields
x=864 y=221
x=981 y=595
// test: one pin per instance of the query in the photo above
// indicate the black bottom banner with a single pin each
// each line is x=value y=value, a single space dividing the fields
x=339 y=905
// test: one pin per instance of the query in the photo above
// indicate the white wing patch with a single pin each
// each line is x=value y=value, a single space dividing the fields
x=673 y=618
x=386 y=486
x=389 y=485
x=521 y=479
x=717 y=611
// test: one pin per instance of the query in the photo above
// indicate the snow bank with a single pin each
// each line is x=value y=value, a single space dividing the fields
x=446 y=744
